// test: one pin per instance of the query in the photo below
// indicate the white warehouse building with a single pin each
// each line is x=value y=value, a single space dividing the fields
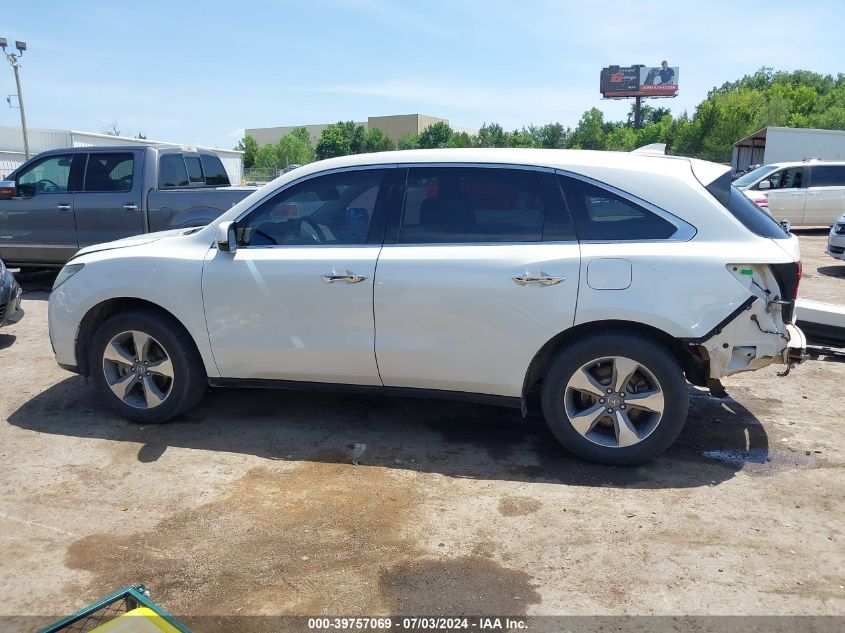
x=41 y=139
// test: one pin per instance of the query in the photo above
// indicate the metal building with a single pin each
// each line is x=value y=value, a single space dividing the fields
x=782 y=144
x=40 y=140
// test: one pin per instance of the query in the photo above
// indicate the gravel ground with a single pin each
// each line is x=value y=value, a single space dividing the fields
x=251 y=504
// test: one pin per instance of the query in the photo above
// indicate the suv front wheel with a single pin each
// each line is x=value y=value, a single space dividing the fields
x=145 y=366
x=615 y=399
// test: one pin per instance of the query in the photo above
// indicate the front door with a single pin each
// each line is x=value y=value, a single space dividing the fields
x=38 y=226
x=470 y=291
x=826 y=195
x=109 y=205
x=787 y=194
x=295 y=301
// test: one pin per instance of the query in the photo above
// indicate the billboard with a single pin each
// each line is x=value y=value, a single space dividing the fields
x=639 y=81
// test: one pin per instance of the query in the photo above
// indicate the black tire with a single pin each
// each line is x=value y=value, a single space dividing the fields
x=189 y=381
x=648 y=354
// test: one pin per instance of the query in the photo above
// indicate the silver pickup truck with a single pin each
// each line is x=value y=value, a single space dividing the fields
x=63 y=200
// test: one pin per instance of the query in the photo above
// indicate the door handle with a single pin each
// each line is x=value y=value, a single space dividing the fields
x=129 y=207
x=63 y=206
x=348 y=278
x=542 y=278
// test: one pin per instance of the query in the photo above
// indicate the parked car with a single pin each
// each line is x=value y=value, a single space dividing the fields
x=10 y=297
x=836 y=241
x=603 y=280
x=65 y=199
x=806 y=193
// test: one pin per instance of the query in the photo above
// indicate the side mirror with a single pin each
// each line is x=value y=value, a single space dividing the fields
x=764 y=184
x=7 y=189
x=227 y=237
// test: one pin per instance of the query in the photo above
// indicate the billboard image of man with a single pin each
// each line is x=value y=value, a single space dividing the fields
x=667 y=74
x=659 y=81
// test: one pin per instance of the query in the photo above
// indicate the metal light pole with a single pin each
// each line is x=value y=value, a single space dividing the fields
x=14 y=61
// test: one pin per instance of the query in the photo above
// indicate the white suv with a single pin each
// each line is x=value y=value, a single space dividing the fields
x=600 y=280
x=806 y=193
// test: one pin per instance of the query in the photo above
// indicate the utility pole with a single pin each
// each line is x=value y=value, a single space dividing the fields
x=14 y=60
x=638 y=121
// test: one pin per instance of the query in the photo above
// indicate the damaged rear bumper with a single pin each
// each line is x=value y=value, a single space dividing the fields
x=750 y=338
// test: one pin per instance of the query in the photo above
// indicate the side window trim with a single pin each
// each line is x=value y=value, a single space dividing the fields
x=684 y=230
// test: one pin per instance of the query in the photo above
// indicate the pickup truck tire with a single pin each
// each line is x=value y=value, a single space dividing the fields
x=145 y=366
x=615 y=398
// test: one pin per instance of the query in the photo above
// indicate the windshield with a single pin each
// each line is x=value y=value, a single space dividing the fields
x=754 y=174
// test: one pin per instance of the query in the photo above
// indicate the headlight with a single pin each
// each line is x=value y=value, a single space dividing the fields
x=66 y=273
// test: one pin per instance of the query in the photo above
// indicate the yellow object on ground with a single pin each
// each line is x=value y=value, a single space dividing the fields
x=141 y=620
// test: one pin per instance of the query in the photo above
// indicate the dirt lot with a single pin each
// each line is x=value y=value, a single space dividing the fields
x=251 y=504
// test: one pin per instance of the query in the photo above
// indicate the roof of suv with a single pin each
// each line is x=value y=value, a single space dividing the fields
x=552 y=158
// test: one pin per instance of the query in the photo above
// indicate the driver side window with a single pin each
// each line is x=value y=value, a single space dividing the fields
x=50 y=175
x=335 y=209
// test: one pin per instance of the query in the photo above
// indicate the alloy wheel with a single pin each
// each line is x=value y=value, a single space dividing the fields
x=138 y=369
x=614 y=401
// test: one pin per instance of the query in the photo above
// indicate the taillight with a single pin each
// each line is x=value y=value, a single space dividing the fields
x=799 y=272
x=762 y=202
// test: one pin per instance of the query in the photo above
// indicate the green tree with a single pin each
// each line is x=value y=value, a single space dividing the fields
x=409 y=141
x=436 y=135
x=333 y=142
x=459 y=139
x=590 y=132
x=491 y=135
x=295 y=148
x=551 y=135
x=340 y=139
x=249 y=146
x=267 y=157
x=377 y=141
x=622 y=138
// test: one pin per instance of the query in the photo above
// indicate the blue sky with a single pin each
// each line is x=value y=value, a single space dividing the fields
x=200 y=72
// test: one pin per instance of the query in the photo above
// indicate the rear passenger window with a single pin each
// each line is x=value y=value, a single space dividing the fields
x=828 y=176
x=172 y=172
x=215 y=174
x=194 y=169
x=602 y=215
x=109 y=172
x=472 y=205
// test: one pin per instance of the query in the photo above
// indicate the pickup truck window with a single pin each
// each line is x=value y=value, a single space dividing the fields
x=194 y=169
x=50 y=175
x=109 y=172
x=215 y=173
x=172 y=172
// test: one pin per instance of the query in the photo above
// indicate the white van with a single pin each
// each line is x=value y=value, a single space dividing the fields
x=807 y=193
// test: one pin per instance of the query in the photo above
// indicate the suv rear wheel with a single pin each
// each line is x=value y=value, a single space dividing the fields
x=145 y=366
x=615 y=399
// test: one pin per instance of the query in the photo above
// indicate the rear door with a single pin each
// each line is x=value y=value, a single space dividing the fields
x=826 y=195
x=480 y=270
x=38 y=226
x=109 y=206
x=787 y=194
